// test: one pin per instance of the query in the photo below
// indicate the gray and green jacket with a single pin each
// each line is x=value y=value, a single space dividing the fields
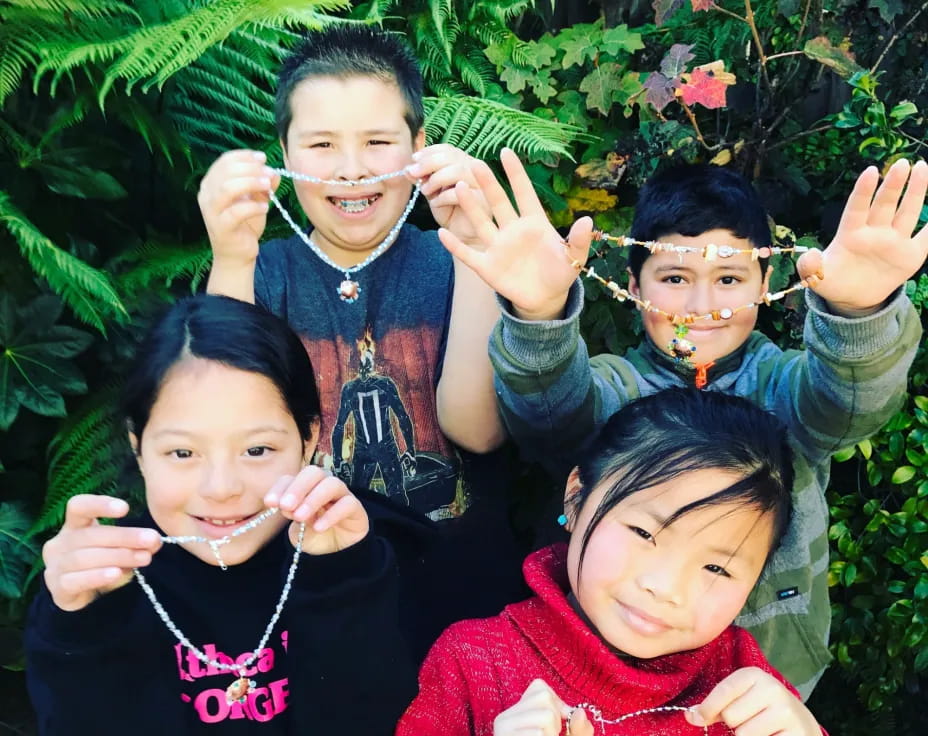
x=843 y=387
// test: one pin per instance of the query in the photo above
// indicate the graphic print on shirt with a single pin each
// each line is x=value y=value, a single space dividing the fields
x=265 y=702
x=385 y=436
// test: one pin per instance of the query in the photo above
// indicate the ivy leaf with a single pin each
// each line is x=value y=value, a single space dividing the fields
x=541 y=86
x=888 y=9
x=706 y=86
x=538 y=54
x=576 y=51
x=674 y=62
x=17 y=554
x=35 y=353
x=572 y=109
x=601 y=86
x=841 y=60
x=660 y=90
x=621 y=39
x=663 y=9
x=701 y=5
x=516 y=78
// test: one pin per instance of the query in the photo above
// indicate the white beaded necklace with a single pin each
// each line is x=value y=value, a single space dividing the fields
x=603 y=722
x=348 y=289
x=238 y=691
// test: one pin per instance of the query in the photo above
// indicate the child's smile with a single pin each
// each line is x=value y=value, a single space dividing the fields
x=651 y=590
x=350 y=128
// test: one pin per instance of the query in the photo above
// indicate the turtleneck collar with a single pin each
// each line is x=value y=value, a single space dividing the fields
x=615 y=684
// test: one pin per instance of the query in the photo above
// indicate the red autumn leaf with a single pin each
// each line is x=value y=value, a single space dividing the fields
x=701 y=5
x=705 y=89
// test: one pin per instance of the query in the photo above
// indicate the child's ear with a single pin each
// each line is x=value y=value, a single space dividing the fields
x=570 y=498
x=283 y=148
x=136 y=448
x=309 y=445
x=633 y=286
x=765 y=283
x=418 y=142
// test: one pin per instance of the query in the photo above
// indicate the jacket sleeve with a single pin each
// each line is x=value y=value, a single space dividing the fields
x=552 y=397
x=850 y=379
x=350 y=667
x=67 y=649
x=441 y=708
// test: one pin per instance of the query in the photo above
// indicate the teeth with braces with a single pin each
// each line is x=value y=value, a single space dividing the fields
x=354 y=205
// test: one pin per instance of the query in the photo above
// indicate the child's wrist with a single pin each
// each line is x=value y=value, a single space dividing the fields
x=547 y=313
x=852 y=312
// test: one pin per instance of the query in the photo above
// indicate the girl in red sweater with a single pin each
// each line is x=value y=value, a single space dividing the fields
x=673 y=513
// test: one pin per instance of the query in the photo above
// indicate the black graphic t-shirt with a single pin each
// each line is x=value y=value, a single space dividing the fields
x=377 y=362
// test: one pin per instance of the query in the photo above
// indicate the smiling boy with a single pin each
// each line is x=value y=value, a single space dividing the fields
x=395 y=327
x=861 y=333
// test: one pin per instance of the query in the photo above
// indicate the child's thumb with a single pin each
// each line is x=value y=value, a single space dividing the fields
x=579 y=724
x=809 y=264
x=579 y=238
x=694 y=717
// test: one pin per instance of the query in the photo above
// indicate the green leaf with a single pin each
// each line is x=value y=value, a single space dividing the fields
x=621 y=39
x=17 y=553
x=921 y=588
x=903 y=474
x=844 y=455
x=576 y=51
x=903 y=110
x=821 y=50
x=35 y=365
x=517 y=78
x=888 y=9
x=83 y=182
x=601 y=87
x=86 y=290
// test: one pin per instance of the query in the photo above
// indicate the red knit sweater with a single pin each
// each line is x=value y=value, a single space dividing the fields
x=479 y=668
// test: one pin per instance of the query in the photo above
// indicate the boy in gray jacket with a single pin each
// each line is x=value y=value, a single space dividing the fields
x=861 y=334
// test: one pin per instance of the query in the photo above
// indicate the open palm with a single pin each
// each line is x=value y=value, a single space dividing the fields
x=525 y=260
x=874 y=251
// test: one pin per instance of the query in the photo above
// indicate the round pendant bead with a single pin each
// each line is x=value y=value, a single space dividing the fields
x=348 y=290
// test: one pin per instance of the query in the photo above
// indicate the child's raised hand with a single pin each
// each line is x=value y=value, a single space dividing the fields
x=540 y=711
x=440 y=167
x=525 y=259
x=86 y=558
x=874 y=251
x=233 y=200
x=754 y=703
x=334 y=518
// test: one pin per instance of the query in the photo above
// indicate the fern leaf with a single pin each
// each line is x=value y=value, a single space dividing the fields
x=163 y=264
x=82 y=456
x=86 y=290
x=481 y=127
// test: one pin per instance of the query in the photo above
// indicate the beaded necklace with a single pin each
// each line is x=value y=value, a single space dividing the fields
x=349 y=289
x=239 y=689
x=603 y=722
x=680 y=348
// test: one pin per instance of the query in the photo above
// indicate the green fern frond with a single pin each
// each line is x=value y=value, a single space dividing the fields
x=86 y=290
x=135 y=115
x=481 y=127
x=162 y=264
x=159 y=51
x=16 y=143
x=16 y=55
x=69 y=10
x=83 y=456
x=442 y=11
